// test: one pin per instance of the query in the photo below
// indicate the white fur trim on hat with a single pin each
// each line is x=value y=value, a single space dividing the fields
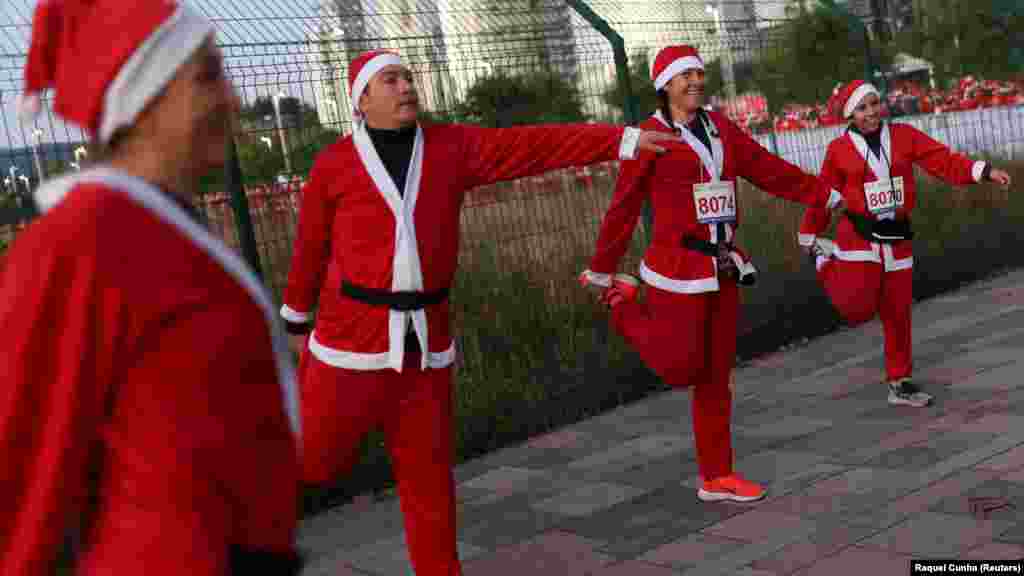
x=151 y=67
x=859 y=94
x=374 y=65
x=677 y=66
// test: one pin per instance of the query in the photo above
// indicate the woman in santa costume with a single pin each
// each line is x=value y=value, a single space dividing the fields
x=686 y=329
x=868 y=269
x=376 y=251
x=148 y=414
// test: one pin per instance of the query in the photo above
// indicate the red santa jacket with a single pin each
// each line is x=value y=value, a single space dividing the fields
x=355 y=227
x=849 y=165
x=668 y=180
x=145 y=373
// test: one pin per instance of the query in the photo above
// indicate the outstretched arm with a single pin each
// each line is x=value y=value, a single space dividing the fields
x=631 y=189
x=956 y=169
x=310 y=254
x=495 y=154
x=778 y=177
x=816 y=220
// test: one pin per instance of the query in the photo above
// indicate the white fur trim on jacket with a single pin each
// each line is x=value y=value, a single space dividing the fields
x=978 y=170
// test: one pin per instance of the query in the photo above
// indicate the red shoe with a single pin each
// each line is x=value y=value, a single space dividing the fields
x=624 y=288
x=731 y=487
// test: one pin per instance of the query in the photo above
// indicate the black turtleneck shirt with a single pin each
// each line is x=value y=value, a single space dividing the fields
x=873 y=139
x=395 y=150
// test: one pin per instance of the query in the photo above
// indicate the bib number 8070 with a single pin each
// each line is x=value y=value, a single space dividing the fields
x=884 y=197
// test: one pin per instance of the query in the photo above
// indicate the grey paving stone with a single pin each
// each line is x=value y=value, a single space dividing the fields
x=587 y=499
x=349 y=527
x=656 y=474
x=844 y=437
x=786 y=428
x=672 y=508
x=775 y=465
x=931 y=452
x=1001 y=378
x=996 y=499
x=937 y=535
x=1013 y=535
x=633 y=452
x=507 y=522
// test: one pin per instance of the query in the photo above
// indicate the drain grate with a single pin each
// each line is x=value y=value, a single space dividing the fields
x=983 y=506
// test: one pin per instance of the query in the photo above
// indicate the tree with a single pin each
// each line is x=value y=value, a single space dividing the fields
x=961 y=38
x=500 y=100
x=809 y=55
x=642 y=88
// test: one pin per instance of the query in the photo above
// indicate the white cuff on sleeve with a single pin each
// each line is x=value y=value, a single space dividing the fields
x=978 y=170
x=834 y=199
x=630 y=143
x=598 y=279
x=294 y=316
x=806 y=240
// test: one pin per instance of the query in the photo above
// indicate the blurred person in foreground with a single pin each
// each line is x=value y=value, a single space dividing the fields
x=148 y=414
x=376 y=252
x=868 y=269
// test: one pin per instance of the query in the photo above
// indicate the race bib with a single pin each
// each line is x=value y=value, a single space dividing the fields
x=715 y=202
x=883 y=196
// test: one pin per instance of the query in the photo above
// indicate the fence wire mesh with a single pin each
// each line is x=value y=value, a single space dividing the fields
x=506 y=62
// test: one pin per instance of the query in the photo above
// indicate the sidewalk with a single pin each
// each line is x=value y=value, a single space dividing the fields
x=855 y=486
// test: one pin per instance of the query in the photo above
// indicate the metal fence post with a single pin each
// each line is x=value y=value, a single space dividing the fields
x=240 y=205
x=629 y=111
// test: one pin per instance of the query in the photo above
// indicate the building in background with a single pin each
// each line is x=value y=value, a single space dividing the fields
x=348 y=27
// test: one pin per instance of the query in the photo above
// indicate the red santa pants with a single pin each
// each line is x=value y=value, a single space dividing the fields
x=690 y=340
x=859 y=290
x=414 y=410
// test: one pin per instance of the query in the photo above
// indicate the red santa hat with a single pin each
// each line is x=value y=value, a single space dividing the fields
x=363 y=68
x=672 y=60
x=849 y=96
x=107 y=59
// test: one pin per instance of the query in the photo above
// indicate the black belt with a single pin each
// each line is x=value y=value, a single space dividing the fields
x=246 y=562
x=395 y=300
x=703 y=246
x=711 y=249
x=888 y=231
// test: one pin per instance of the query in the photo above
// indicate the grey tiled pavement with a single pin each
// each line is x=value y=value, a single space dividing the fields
x=855 y=486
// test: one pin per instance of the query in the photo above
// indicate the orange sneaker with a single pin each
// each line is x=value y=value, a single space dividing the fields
x=624 y=288
x=731 y=487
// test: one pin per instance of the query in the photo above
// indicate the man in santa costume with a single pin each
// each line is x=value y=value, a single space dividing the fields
x=148 y=407
x=686 y=329
x=376 y=250
x=868 y=269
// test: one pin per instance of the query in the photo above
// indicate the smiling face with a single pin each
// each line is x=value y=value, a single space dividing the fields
x=686 y=90
x=390 y=100
x=867 y=116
